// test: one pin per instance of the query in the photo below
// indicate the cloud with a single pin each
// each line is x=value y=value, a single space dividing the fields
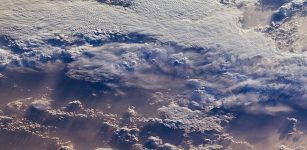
x=181 y=22
x=142 y=65
x=212 y=76
x=195 y=49
x=5 y=58
x=124 y=3
x=286 y=11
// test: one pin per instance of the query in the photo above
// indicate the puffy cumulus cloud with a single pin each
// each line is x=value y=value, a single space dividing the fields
x=208 y=76
x=283 y=81
x=125 y=137
x=6 y=57
x=189 y=129
x=287 y=10
x=39 y=118
x=196 y=48
x=256 y=82
x=289 y=35
x=290 y=129
x=142 y=65
x=19 y=107
x=156 y=143
x=235 y=66
x=13 y=128
x=174 y=131
x=186 y=118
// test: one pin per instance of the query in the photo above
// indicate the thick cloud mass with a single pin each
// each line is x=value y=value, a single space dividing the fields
x=187 y=68
x=139 y=64
x=240 y=81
